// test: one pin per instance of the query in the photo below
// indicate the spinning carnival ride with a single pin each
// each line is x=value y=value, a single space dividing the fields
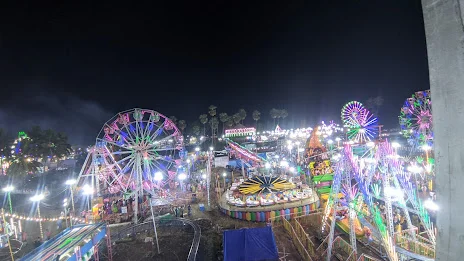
x=137 y=150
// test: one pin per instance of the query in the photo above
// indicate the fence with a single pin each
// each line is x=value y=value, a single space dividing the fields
x=296 y=240
x=414 y=246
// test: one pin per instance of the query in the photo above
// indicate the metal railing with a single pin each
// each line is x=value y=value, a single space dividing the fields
x=133 y=230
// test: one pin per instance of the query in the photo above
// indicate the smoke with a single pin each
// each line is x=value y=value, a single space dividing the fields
x=80 y=119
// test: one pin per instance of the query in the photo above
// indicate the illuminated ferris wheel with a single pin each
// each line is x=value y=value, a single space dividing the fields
x=359 y=122
x=416 y=117
x=138 y=150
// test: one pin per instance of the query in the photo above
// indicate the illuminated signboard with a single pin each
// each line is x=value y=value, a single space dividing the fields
x=240 y=132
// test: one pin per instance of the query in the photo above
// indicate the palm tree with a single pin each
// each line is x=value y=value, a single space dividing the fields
x=274 y=114
x=223 y=117
x=256 y=116
x=173 y=119
x=242 y=114
x=212 y=110
x=230 y=121
x=283 y=114
x=204 y=119
x=237 y=118
x=182 y=125
x=214 y=126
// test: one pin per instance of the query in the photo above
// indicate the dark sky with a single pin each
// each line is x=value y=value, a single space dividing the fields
x=73 y=66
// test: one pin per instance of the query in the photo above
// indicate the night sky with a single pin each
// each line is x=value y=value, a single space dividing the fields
x=73 y=66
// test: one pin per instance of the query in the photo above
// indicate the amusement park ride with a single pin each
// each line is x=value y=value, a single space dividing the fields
x=141 y=151
x=370 y=172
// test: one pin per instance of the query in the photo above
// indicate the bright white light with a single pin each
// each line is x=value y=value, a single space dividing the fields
x=370 y=144
x=65 y=200
x=211 y=148
x=87 y=190
x=337 y=139
x=301 y=149
x=8 y=188
x=289 y=147
x=362 y=130
x=158 y=176
x=224 y=174
x=414 y=169
x=65 y=204
x=197 y=149
x=182 y=176
x=298 y=143
x=36 y=198
x=284 y=163
x=330 y=141
x=70 y=182
x=267 y=165
x=426 y=147
x=396 y=145
x=292 y=169
x=203 y=176
x=394 y=193
x=289 y=142
x=188 y=161
x=429 y=204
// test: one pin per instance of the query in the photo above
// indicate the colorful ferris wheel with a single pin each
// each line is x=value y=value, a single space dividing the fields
x=416 y=117
x=360 y=123
x=138 y=150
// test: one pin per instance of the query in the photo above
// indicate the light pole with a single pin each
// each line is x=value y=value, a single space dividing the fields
x=70 y=183
x=188 y=166
x=88 y=191
x=38 y=198
x=182 y=177
x=8 y=190
x=65 y=205
x=158 y=177
x=224 y=175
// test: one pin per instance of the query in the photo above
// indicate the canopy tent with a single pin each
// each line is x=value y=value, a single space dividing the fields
x=250 y=244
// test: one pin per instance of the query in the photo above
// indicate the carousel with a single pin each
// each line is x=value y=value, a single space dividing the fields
x=261 y=198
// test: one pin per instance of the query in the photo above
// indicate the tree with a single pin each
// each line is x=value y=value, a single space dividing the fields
x=212 y=110
x=173 y=119
x=182 y=125
x=214 y=126
x=20 y=166
x=230 y=121
x=46 y=143
x=274 y=114
x=283 y=114
x=237 y=118
x=196 y=130
x=223 y=117
x=242 y=114
x=203 y=120
x=256 y=116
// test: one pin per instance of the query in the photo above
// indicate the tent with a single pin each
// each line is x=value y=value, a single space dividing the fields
x=250 y=244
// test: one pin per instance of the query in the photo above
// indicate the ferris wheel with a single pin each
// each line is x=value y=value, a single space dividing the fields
x=138 y=150
x=359 y=121
x=416 y=117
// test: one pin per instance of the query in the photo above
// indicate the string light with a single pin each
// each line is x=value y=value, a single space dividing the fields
x=16 y=216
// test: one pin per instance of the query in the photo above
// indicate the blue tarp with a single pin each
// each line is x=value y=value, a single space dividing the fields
x=250 y=244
